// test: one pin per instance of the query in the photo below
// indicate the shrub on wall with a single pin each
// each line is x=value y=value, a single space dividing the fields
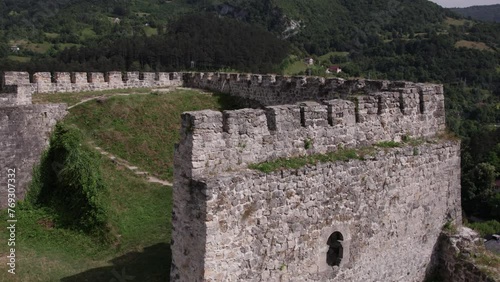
x=69 y=181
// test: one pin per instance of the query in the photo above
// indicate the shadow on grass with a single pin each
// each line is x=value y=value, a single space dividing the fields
x=153 y=264
x=229 y=102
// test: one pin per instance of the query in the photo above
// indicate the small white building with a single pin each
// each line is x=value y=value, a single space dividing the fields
x=309 y=61
x=14 y=48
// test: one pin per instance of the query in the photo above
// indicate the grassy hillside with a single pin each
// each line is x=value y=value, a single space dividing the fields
x=142 y=128
x=323 y=24
x=141 y=218
x=414 y=40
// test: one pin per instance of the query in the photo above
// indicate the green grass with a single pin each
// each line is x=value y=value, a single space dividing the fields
x=489 y=263
x=19 y=58
x=52 y=35
x=68 y=45
x=141 y=221
x=296 y=67
x=143 y=128
x=41 y=48
x=339 y=155
x=298 y=162
x=87 y=33
x=388 y=144
x=150 y=31
x=486 y=228
x=73 y=98
x=405 y=140
x=326 y=57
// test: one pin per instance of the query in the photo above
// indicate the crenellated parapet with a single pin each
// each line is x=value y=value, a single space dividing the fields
x=321 y=222
x=329 y=221
x=24 y=129
x=279 y=90
x=15 y=89
x=61 y=82
x=325 y=114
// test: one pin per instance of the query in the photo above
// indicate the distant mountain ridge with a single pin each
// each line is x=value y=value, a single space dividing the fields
x=317 y=26
x=488 y=13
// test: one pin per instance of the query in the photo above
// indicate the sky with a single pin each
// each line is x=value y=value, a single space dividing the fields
x=464 y=3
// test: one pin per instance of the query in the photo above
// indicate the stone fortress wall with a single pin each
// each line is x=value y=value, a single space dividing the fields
x=25 y=128
x=380 y=217
x=61 y=82
x=334 y=114
x=24 y=132
x=376 y=219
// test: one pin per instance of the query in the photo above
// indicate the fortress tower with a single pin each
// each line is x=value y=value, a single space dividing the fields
x=372 y=219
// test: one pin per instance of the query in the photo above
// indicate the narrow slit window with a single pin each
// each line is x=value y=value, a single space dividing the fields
x=379 y=105
x=356 y=110
x=401 y=103
x=422 y=103
x=302 y=117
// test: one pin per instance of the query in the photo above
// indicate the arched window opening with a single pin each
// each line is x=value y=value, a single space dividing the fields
x=335 y=251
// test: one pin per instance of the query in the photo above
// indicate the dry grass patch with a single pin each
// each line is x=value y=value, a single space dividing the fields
x=457 y=22
x=473 y=45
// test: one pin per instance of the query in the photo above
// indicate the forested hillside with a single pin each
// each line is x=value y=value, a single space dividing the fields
x=487 y=13
x=381 y=39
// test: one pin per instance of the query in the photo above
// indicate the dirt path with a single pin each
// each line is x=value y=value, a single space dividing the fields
x=121 y=162
x=124 y=163
x=103 y=97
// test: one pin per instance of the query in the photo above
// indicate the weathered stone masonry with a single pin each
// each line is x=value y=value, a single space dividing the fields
x=25 y=128
x=62 y=82
x=24 y=134
x=234 y=139
x=372 y=220
x=253 y=227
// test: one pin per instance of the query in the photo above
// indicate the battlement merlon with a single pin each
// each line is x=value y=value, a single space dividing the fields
x=15 y=89
x=213 y=142
x=60 y=82
x=269 y=90
x=350 y=85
